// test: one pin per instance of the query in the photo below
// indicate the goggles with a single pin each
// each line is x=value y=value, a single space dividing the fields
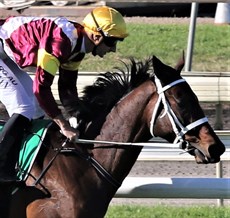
x=111 y=41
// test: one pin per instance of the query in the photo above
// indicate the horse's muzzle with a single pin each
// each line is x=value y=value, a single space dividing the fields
x=212 y=155
x=202 y=159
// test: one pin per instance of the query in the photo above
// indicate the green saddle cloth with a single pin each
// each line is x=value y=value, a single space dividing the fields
x=30 y=146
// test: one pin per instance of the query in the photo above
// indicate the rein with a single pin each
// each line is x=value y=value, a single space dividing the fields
x=146 y=144
x=171 y=115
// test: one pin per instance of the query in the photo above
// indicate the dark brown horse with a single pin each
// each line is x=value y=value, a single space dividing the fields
x=83 y=178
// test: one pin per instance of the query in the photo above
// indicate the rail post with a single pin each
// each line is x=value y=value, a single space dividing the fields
x=219 y=174
x=191 y=36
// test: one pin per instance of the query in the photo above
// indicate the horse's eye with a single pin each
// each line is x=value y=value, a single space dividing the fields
x=178 y=96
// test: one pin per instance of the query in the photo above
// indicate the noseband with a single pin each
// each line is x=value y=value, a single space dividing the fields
x=171 y=115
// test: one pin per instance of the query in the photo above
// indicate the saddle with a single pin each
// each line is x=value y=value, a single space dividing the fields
x=30 y=146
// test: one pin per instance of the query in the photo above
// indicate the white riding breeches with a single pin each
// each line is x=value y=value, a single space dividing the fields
x=16 y=91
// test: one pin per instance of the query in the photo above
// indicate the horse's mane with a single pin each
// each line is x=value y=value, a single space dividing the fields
x=110 y=87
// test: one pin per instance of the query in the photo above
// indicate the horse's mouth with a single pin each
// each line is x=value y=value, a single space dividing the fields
x=200 y=157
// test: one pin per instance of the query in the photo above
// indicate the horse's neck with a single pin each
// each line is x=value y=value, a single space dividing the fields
x=122 y=125
x=123 y=121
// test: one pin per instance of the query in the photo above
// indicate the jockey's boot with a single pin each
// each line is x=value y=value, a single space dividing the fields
x=10 y=142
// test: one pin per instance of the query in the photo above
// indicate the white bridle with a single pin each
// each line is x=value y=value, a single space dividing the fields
x=171 y=115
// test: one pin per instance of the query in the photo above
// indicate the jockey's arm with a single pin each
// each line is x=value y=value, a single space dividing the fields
x=67 y=89
x=42 y=89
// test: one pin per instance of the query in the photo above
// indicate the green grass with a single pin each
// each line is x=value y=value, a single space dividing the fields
x=211 y=48
x=127 y=211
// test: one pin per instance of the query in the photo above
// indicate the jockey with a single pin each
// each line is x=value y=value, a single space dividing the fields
x=50 y=45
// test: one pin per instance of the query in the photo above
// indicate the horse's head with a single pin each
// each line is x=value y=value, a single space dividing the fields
x=180 y=112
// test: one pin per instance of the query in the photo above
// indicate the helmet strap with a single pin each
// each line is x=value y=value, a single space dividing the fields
x=99 y=29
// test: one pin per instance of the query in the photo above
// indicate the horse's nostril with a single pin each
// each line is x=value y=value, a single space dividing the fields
x=215 y=151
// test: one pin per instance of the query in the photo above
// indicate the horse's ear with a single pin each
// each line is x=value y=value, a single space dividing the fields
x=180 y=64
x=157 y=65
x=162 y=71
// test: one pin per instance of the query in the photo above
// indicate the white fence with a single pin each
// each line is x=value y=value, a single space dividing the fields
x=147 y=187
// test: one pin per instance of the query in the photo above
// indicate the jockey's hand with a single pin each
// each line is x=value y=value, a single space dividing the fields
x=68 y=131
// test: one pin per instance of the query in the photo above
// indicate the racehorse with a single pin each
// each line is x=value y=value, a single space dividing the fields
x=151 y=99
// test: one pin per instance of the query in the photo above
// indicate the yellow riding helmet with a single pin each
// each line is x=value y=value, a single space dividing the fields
x=107 y=21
